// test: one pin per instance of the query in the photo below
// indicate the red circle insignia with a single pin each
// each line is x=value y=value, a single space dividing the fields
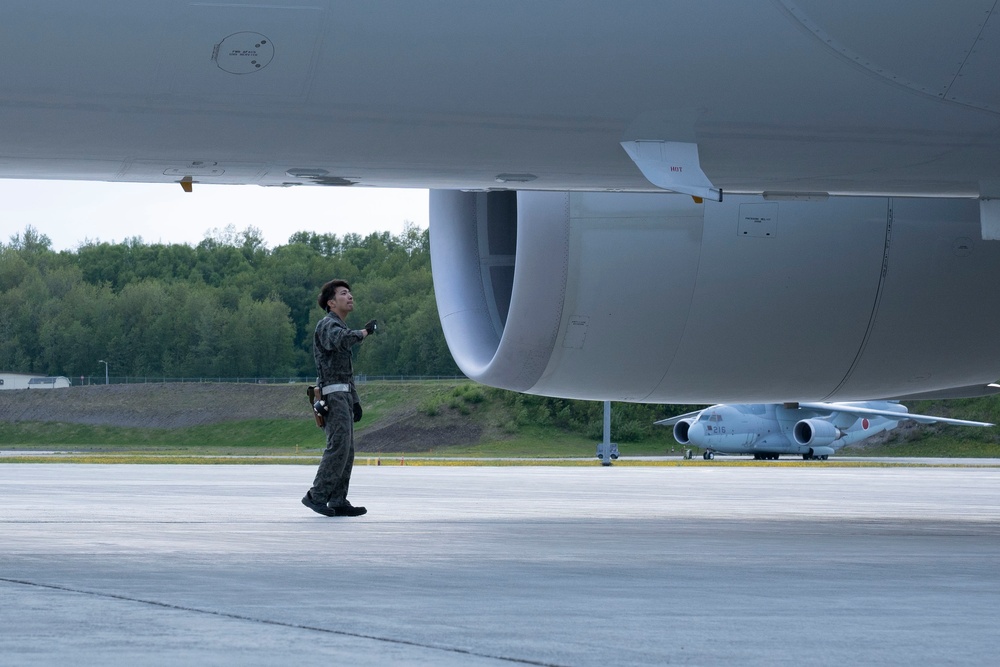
x=864 y=423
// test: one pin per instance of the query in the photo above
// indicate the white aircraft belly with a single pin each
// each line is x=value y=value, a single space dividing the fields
x=791 y=96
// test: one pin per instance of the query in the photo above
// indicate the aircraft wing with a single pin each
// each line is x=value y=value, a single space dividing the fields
x=874 y=412
x=843 y=107
x=670 y=421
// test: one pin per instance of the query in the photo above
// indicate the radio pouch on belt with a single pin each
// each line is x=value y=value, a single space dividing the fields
x=320 y=408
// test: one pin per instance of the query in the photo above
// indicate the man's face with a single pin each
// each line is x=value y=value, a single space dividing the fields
x=342 y=301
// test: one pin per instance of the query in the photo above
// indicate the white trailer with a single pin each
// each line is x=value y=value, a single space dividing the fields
x=28 y=381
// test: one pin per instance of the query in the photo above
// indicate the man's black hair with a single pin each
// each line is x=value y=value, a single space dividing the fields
x=329 y=289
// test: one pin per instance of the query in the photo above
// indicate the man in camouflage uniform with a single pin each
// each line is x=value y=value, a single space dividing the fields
x=332 y=343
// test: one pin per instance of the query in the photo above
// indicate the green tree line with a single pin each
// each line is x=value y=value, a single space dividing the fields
x=227 y=307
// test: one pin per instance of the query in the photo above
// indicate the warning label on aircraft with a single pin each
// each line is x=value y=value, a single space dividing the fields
x=758 y=220
x=576 y=332
x=243 y=52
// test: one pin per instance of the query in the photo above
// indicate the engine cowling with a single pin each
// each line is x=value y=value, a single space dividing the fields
x=816 y=433
x=657 y=298
x=681 y=429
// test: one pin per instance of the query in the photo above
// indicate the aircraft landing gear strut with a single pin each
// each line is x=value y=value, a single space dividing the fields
x=607 y=450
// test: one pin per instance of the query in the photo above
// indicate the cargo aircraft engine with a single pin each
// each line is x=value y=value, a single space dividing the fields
x=681 y=430
x=816 y=432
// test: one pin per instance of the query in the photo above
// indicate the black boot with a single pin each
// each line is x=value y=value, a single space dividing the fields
x=320 y=508
x=348 y=509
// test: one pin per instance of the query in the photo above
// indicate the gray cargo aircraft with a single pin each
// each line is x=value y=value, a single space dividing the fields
x=814 y=430
x=632 y=201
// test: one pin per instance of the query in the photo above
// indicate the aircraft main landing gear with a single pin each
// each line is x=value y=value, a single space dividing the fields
x=708 y=456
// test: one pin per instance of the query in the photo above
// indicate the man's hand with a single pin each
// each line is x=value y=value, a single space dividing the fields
x=357 y=412
x=371 y=327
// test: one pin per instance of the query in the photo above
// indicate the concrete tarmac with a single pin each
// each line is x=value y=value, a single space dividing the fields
x=221 y=565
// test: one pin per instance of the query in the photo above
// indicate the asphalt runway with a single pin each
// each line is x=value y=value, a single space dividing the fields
x=221 y=565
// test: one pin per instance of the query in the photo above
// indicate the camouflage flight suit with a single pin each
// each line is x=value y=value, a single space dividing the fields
x=332 y=343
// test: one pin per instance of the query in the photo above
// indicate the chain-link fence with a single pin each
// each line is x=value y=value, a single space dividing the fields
x=359 y=379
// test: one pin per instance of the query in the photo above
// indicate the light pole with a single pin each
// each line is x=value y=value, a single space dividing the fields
x=101 y=361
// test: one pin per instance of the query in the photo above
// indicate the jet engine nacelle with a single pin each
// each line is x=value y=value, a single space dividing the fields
x=815 y=433
x=681 y=431
x=656 y=298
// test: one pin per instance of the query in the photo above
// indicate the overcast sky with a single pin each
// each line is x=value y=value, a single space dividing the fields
x=70 y=212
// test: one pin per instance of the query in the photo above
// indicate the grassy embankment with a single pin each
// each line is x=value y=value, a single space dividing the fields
x=422 y=414
x=499 y=426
